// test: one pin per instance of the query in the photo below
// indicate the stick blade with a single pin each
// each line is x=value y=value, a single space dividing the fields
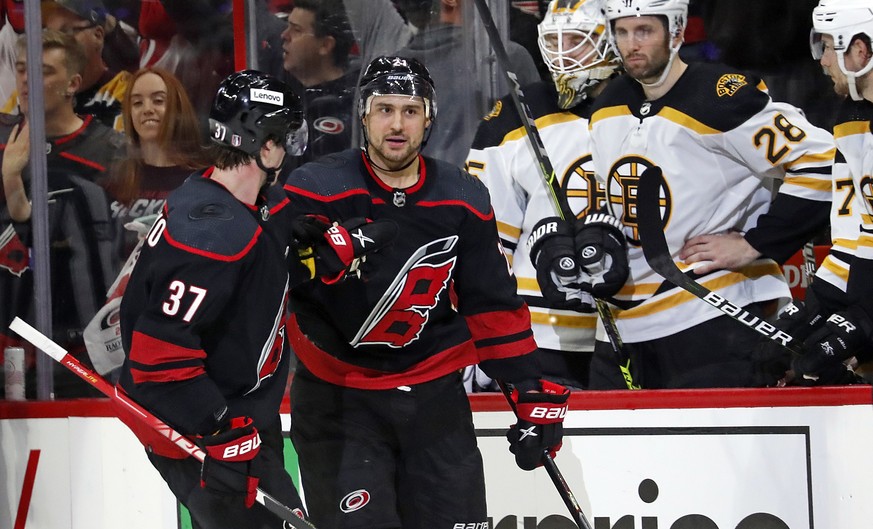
x=38 y=339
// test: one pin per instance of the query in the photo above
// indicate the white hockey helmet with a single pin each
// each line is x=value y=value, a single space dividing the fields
x=676 y=12
x=843 y=20
x=583 y=24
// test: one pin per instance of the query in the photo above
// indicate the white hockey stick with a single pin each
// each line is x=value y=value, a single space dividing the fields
x=59 y=354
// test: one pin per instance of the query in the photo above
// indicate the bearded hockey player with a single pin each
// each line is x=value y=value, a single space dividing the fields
x=382 y=423
x=575 y=47
x=723 y=146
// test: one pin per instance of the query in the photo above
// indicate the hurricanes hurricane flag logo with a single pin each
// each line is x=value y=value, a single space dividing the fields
x=399 y=317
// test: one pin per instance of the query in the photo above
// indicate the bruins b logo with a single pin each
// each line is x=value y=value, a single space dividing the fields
x=584 y=194
x=621 y=194
x=729 y=83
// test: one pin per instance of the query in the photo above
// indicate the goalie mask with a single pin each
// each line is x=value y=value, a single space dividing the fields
x=397 y=76
x=842 y=20
x=675 y=11
x=251 y=107
x=574 y=44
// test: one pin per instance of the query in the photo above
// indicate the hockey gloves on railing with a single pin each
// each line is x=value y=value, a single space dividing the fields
x=554 y=256
x=540 y=425
x=772 y=361
x=331 y=251
x=230 y=466
x=601 y=252
x=844 y=335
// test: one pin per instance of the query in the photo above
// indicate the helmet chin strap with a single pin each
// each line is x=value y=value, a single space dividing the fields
x=674 y=52
x=272 y=172
x=852 y=77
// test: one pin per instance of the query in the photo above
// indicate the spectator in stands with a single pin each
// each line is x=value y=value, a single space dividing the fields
x=164 y=146
x=440 y=45
x=81 y=232
x=103 y=86
x=316 y=46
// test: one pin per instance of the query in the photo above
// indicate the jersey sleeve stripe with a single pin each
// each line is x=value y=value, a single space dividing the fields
x=836 y=268
x=166 y=375
x=147 y=350
x=569 y=321
x=849 y=244
x=851 y=128
x=501 y=334
x=816 y=158
x=816 y=184
x=509 y=230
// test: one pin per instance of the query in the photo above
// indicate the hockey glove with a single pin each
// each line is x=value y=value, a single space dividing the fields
x=540 y=426
x=554 y=257
x=230 y=465
x=799 y=319
x=844 y=335
x=602 y=254
x=331 y=251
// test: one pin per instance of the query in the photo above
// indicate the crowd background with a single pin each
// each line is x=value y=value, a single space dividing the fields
x=318 y=46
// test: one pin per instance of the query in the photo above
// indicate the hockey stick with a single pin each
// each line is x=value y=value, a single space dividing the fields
x=554 y=473
x=559 y=200
x=657 y=254
x=59 y=354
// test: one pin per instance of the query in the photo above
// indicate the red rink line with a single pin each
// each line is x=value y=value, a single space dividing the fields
x=26 y=490
x=580 y=400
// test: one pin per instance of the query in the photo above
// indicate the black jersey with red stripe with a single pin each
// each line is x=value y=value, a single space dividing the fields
x=203 y=316
x=441 y=297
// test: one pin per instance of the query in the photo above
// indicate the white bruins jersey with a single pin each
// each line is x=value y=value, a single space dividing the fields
x=503 y=158
x=723 y=146
x=854 y=141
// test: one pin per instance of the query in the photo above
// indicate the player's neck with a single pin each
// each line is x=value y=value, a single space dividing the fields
x=676 y=70
x=242 y=181
x=405 y=176
x=65 y=123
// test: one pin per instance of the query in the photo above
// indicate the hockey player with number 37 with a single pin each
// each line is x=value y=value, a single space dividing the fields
x=381 y=422
x=723 y=146
x=203 y=316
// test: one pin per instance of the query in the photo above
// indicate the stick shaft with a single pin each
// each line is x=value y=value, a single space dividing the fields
x=58 y=353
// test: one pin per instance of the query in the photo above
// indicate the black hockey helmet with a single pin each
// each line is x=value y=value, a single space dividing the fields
x=390 y=75
x=251 y=107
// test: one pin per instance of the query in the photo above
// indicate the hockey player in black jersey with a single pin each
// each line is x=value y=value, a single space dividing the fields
x=381 y=421
x=203 y=316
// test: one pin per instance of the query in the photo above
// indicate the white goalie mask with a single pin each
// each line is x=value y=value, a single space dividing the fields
x=574 y=44
x=842 y=20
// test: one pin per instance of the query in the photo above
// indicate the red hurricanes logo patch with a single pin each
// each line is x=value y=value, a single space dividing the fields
x=354 y=501
x=329 y=125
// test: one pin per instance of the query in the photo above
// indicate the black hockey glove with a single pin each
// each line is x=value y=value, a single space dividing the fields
x=844 y=335
x=230 y=466
x=331 y=251
x=540 y=426
x=554 y=257
x=601 y=251
x=772 y=361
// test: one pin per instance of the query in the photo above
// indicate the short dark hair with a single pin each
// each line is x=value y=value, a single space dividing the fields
x=331 y=21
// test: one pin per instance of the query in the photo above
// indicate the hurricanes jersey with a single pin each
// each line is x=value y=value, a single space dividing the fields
x=439 y=298
x=853 y=139
x=723 y=146
x=502 y=157
x=203 y=316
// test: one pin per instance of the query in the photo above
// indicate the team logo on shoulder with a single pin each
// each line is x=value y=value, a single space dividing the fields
x=495 y=111
x=354 y=500
x=729 y=83
x=622 y=186
x=329 y=125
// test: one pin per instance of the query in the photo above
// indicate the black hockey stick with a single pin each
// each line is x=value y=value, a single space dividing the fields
x=554 y=473
x=59 y=354
x=559 y=200
x=657 y=254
